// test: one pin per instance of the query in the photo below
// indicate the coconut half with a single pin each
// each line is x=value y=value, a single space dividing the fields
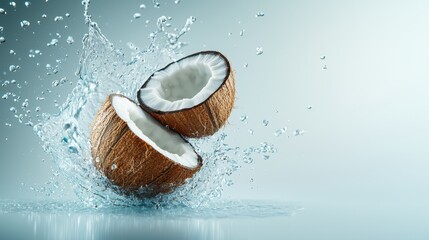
x=193 y=96
x=135 y=151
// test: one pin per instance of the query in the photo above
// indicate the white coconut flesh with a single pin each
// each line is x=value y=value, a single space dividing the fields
x=163 y=140
x=186 y=83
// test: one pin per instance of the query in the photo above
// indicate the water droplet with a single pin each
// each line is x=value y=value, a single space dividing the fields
x=25 y=103
x=247 y=159
x=259 y=14
x=13 y=4
x=309 y=107
x=137 y=15
x=53 y=42
x=37 y=109
x=265 y=122
x=67 y=14
x=251 y=180
x=2 y=11
x=142 y=6
x=156 y=4
x=230 y=34
x=58 y=18
x=2 y=40
x=114 y=166
x=298 y=132
x=27 y=3
x=12 y=52
x=14 y=68
x=1 y=29
x=242 y=32
x=251 y=132
x=97 y=159
x=323 y=57
x=279 y=131
x=245 y=65
x=13 y=109
x=177 y=1
x=55 y=83
x=73 y=149
x=325 y=67
x=243 y=118
x=40 y=98
x=259 y=51
x=25 y=23
x=70 y=40
x=8 y=124
x=161 y=21
x=44 y=16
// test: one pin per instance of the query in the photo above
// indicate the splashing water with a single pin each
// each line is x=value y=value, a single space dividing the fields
x=103 y=70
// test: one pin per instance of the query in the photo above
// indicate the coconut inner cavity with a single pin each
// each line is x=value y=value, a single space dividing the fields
x=163 y=140
x=185 y=83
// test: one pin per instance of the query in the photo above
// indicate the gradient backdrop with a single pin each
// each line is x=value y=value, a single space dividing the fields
x=361 y=167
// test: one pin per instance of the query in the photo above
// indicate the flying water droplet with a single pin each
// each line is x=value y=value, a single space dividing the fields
x=114 y=166
x=259 y=14
x=259 y=51
x=156 y=4
x=44 y=16
x=161 y=22
x=298 y=132
x=325 y=67
x=25 y=24
x=245 y=65
x=25 y=103
x=67 y=14
x=247 y=159
x=55 y=83
x=243 y=118
x=265 y=122
x=251 y=132
x=70 y=40
x=309 y=107
x=279 y=131
x=177 y=1
x=53 y=42
x=2 y=40
x=1 y=29
x=142 y=6
x=323 y=57
x=58 y=18
x=2 y=11
x=27 y=3
x=13 y=4
x=14 y=68
x=242 y=32
x=137 y=15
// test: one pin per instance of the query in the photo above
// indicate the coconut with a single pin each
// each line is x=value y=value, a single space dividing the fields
x=136 y=152
x=193 y=96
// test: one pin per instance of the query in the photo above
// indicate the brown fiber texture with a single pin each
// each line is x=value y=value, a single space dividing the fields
x=137 y=163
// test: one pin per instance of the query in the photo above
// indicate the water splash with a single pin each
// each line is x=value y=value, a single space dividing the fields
x=104 y=70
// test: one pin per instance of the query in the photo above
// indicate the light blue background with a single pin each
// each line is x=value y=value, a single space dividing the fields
x=361 y=166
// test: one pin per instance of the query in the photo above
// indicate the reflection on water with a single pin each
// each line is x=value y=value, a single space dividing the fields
x=72 y=220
